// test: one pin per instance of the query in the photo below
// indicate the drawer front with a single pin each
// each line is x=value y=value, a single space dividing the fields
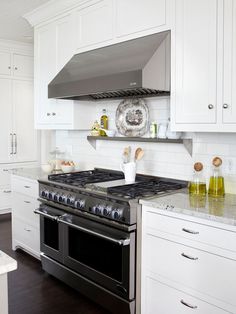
x=26 y=234
x=23 y=208
x=162 y=299
x=5 y=178
x=25 y=186
x=201 y=271
x=5 y=197
x=211 y=236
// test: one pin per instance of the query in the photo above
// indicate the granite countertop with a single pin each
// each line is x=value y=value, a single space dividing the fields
x=7 y=263
x=222 y=210
x=30 y=173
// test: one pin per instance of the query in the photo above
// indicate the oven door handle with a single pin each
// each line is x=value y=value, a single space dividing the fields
x=40 y=212
x=122 y=242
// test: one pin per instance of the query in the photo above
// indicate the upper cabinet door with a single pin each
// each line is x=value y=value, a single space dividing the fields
x=5 y=63
x=25 y=136
x=194 y=63
x=23 y=66
x=133 y=16
x=6 y=136
x=94 y=24
x=229 y=78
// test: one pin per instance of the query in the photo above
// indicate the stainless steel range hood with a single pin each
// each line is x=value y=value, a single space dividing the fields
x=132 y=68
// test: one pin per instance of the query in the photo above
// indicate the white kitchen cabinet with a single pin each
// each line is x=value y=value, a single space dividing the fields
x=196 y=61
x=229 y=63
x=5 y=63
x=136 y=16
x=22 y=65
x=5 y=198
x=25 y=224
x=181 y=260
x=94 y=24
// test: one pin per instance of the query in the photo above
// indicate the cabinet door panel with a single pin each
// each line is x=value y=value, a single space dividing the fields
x=229 y=85
x=196 y=61
x=94 y=24
x=23 y=66
x=5 y=63
x=163 y=299
x=134 y=16
x=6 y=120
x=26 y=135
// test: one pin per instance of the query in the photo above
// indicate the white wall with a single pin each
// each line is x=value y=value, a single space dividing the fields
x=167 y=160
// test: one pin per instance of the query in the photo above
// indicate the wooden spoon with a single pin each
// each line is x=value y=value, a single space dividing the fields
x=138 y=154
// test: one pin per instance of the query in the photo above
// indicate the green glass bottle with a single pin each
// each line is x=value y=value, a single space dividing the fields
x=104 y=122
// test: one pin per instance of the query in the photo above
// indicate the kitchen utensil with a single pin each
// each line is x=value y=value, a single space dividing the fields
x=126 y=154
x=138 y=154
x=129 y=170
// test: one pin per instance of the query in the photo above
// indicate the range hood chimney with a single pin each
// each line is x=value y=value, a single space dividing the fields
x=133 y=68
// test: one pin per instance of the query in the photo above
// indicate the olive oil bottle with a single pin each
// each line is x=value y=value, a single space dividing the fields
x=197 y=186
x=104 y=122
x=216 y=184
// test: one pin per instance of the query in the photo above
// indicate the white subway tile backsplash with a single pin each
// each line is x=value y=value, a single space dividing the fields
x=166 y=160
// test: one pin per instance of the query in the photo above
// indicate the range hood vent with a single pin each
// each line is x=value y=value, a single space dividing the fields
x=135 y=68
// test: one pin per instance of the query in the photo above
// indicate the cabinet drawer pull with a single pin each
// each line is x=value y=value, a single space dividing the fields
x=27 y=186
x=27 y=202
x=27 y=230
x=194 y=307
x=189 y=257
x=7 y=191
x=5 y=170
x=190 y=231
x=210 y=106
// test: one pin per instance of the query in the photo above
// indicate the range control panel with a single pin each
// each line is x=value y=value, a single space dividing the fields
x=86 y=202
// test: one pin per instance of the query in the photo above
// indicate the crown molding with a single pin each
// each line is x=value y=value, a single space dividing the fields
x=50 y=10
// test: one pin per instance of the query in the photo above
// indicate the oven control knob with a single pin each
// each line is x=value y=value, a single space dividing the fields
x=51 y=195
x=70 y=200
x=97 y=209
x=44 y=193
x=107 y=211
x=80 y=204
x=56 y=197
x=61 y=198
x=117 y=213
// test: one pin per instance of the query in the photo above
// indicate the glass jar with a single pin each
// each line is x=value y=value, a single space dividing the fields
x=216 y=184
x=197 y=186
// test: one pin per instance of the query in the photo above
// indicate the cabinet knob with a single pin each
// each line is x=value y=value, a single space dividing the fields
x=225 y=106
x=210 y=106
x=9 y=67
x=54 y=113
x=48 y=114
x=16 y=68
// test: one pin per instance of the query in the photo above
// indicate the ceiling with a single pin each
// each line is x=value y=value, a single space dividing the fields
x=12 y=25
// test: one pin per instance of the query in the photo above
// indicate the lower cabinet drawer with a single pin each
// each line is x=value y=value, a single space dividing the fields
x=23 y=208
x=201 y=271
x=162 y=299
x=27 y=235
x=5 y=197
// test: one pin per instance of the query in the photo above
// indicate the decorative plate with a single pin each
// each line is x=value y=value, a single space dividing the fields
x=132 y=117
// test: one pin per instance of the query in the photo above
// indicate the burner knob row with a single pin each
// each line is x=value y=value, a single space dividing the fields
x=62 y=198
x=107 y=211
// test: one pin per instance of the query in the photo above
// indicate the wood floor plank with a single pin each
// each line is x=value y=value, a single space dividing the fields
x=32 y=291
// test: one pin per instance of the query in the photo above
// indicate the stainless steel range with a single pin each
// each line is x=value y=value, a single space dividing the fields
x=88 y=231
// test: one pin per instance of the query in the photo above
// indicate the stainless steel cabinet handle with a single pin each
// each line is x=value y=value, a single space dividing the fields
x=194 y=307
x=27 y=202
x=225 y=106
x=12 y=144
x=28 y=230
x=27 y=186
x=122 y=242
x=15 y=142
x=210 y=106
x=40 y=212
x=189 y=257
x=190 y=231
x=7 y=191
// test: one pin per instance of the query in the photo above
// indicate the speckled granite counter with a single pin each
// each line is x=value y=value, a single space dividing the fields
x=222 y=210
x=30 y=173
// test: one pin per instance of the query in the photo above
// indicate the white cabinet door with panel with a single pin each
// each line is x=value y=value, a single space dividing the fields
x=195 y=62
x=94 y=24
x=23 y=65
x=135 y=16
x=24 y=134
x=6 y=119
x=229 y=64
x=5 y=63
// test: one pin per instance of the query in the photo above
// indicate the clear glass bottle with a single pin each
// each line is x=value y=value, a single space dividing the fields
x=197 y=186
x=104 y=122
x=216 y=184
x=153 y=129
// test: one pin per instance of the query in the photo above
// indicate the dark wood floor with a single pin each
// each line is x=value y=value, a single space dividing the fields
x=32 y=291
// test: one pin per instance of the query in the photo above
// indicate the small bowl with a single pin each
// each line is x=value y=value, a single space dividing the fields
x=67 y=169
x=47 y=168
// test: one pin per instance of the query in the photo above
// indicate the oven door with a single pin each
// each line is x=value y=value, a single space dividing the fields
x=101 y=253
x=51 y=232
